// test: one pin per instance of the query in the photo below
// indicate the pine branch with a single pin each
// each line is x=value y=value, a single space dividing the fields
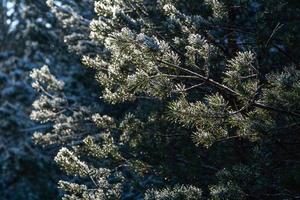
x=203 y=78
x=266 y=107
x=228 y=90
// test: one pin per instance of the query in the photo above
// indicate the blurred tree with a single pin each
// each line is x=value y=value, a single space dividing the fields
x=30 y=37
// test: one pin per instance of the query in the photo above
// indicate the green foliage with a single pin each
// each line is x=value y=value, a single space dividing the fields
x=203 y=99
x=209 y=118
x=176 y=193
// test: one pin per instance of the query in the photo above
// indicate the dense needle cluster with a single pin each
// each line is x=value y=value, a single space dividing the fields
x=198 y=100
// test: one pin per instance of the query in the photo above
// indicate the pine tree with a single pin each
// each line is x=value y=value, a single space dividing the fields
x=206 y=102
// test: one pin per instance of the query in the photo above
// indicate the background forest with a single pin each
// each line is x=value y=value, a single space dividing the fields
x=149 y=99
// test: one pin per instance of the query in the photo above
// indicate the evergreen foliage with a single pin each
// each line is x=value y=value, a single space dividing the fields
x=212 y=92
x=199 y=99
x=211 y=87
